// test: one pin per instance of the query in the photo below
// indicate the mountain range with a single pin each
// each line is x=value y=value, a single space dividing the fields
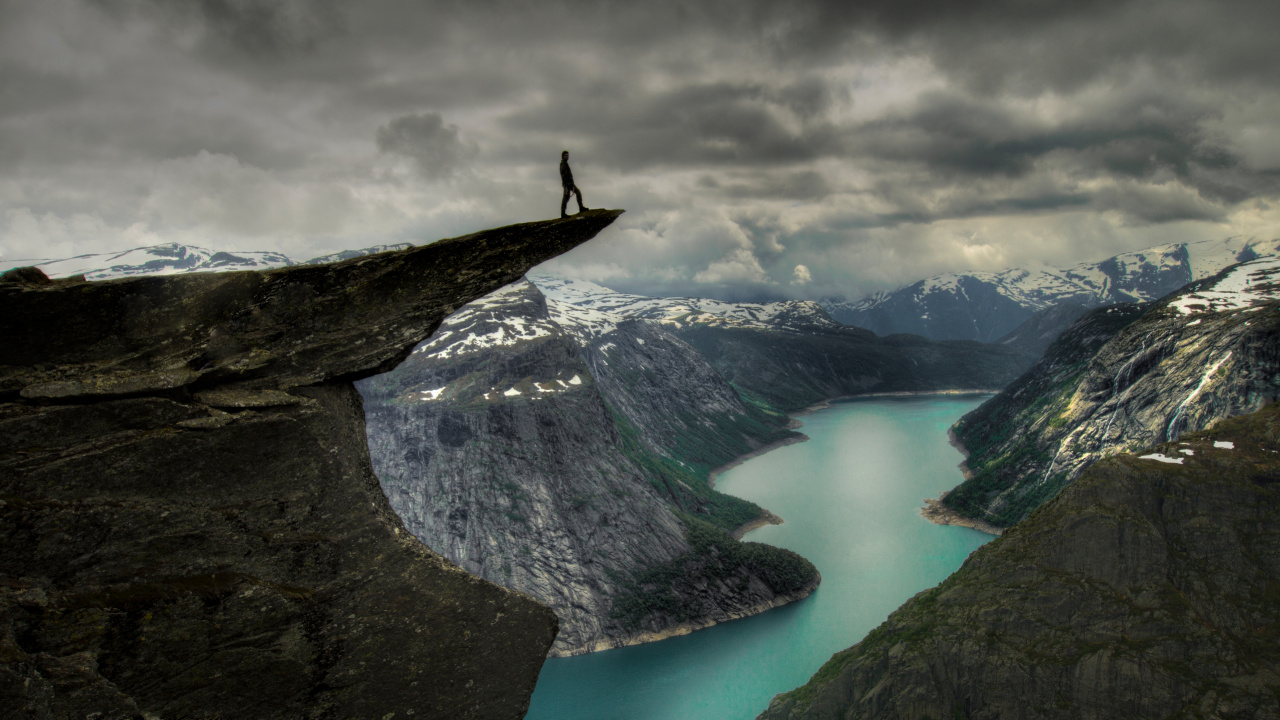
x=985 y=306
x=175 y=258
x=558 y=438
x=569 y=462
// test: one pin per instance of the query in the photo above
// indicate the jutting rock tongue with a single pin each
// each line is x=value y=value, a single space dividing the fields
x=191 y=526
x=280 y=328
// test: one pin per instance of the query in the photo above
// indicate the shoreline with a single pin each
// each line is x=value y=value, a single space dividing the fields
x=824 y=404
x=938 y=514
x=933 y=511
x=685 y=628
x=797 y=438
x=767 y=518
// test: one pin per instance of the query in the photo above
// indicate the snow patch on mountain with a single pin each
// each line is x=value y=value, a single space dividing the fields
x=1241 y=288
x=174 y=258
x=986 y=305
x=597 y=309
x=494 y=320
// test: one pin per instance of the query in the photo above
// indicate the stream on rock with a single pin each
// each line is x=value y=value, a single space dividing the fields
x=850 y=497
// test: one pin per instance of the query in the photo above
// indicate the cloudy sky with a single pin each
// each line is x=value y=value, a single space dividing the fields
x=796 y=149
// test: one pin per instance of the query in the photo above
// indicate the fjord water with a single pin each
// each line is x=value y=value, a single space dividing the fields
x=850 y=497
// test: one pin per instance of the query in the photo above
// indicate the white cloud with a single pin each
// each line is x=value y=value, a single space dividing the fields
x=801 y=276
x=738 y=266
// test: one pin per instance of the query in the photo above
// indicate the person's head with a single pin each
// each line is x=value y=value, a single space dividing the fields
x=564 y=155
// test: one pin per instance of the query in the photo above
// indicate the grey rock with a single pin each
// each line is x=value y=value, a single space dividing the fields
x=498 y=442
x=1120 y=379
x=1038 y=332
x=191 y=523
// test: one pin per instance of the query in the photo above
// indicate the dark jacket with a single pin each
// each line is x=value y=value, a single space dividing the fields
x=566 y=175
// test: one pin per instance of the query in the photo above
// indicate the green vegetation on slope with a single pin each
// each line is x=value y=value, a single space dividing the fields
x=683 y=477
x=1009 y=438
x=671 y=592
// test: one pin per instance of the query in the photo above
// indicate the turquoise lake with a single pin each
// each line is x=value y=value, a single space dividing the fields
x=850 y=497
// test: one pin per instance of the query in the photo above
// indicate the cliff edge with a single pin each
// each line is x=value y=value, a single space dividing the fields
x=190 y=522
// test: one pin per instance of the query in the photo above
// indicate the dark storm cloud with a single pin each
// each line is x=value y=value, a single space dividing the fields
x=267 y=29
x=957 y=134
x=804 y=185
x=693 y=125
x=432 y=145
x=269 y=26
x=745 y=137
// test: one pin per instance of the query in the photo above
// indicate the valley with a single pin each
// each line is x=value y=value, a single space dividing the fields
x=562 y=444
x=558 y=439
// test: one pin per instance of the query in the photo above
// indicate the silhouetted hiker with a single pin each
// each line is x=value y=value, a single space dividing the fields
x=566 y=179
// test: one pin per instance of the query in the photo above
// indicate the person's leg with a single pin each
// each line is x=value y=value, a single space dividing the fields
x=564 y=202
x=578 y=192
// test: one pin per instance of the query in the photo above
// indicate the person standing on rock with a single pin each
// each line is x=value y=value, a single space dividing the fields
x=566 y=179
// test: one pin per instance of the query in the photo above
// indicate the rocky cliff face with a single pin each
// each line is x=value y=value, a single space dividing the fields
x=190 y=522
x=984 y=306
x=1124 y=378
x=1034 y=336
x=529 y=455
x=1147 y=589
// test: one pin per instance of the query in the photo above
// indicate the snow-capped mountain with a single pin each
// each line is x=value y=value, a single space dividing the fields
x=790 y=354
x=173 y=258
x=348 y=254
x=986 y=305
x=587 y=304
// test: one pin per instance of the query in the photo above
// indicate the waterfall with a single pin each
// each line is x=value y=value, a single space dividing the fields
x=1204 y=380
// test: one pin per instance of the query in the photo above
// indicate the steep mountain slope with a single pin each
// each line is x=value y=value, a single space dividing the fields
x=792 y=370
x=1122 y=378
x=1147 y=589
x=175 y=258
x=191 y=527
x=789 y=355
x=1038 y=332
x=679 y=405
x=984 y=306
x=511 y=455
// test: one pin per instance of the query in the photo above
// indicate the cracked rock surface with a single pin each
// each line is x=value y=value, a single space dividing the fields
x=190 y=521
